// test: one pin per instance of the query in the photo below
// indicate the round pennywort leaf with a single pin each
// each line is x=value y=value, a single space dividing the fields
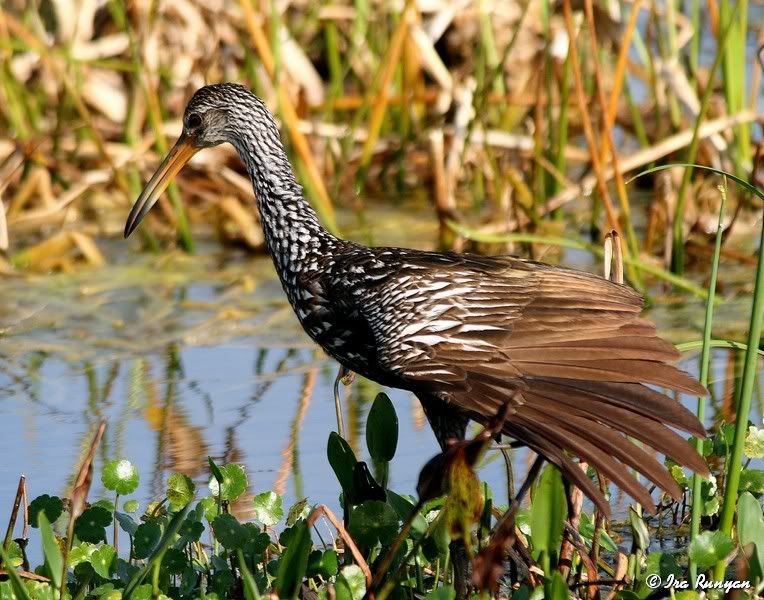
x=51 y=505
x=373 y=521
x=180 y=490
x=234 y=483
x=120 y=476
x=268 y=509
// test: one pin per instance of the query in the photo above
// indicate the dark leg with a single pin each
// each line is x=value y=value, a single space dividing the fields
x=449 y=423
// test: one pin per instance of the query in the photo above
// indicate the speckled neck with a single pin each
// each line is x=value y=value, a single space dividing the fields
x=293 y=232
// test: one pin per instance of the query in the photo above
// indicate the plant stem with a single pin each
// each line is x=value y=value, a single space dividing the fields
x=734 y=466
x=705 y=361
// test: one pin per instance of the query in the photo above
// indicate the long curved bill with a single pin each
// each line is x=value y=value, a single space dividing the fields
x=180 y=154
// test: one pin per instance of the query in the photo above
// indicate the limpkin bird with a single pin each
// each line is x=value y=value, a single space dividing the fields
x=465 y=333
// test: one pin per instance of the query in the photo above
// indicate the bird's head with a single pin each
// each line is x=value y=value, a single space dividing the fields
x=215 y=114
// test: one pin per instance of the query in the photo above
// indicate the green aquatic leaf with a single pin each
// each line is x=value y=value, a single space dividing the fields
x=120 y=476
x=175 y=561
x=210 y=506
x=444 y=593
x=342 y=460
x=549 y=509
x=382 y=429
x=51 y=550
x=558 y=589
x=752 y=480
x=80 y=553
x=126 y=523
x=268 y=509
x=324 y=564
x=52 y=505
x=131 y=506
x=640 y=534
x=229 y=532
x=710 y=547
x=91 y=525
x=146 y=538
x=180 y=490
x=754 y=442
x=351 y=584
x=373 y=521
x=294 y=562
x=103 y=560
x=299 y=510
x=14 y=554
x=233 y=485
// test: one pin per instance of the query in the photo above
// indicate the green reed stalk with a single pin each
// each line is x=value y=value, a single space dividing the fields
x=694 y=56
x=560 y=161
x=333 y=59
x=677 y=235
x=733 y=70
x=705 y=361
x=747 y=384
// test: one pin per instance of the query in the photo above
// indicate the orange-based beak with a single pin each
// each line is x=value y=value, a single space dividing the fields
x=180 y=154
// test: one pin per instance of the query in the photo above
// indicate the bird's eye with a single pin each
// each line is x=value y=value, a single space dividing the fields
x=193 y=121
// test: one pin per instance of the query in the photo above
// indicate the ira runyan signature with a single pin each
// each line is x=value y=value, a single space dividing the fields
x=655 y=581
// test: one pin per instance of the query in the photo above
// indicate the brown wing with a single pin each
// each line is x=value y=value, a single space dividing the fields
x=567 y=349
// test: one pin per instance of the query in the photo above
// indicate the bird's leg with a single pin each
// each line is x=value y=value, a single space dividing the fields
x=345 y=377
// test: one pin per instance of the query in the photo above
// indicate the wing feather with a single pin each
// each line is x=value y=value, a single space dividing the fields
x=475 y=331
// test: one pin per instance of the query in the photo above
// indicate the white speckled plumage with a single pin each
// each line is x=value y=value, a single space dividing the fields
x=467 y=334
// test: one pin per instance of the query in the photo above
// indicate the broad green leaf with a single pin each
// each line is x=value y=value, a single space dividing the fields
x=548 y=512
x=373 y=521
x=342 y=460
x=91 y=525
x=750 y=527
x=660 y=564
x=752 y=480
x=234 y=483
x=558 y=589
x=210 y=506
x=268 y=508
x=382 y=429
x=586 y=529
x=175 y=561
x=444 y=593
x=321 y=563
x=299 y=510
x=15 y=555
x=351 y=584
x=640 y=534
x=180 y=490
x=51 y=550
x=126 y=523
x=103 y=560
x=146 y=538
x=404 y=507
x=229 y=532
x=294 y=562
x=131 y=506
x=81 y=553
x=52 y=505
x=120 y=476
x=710 y=547
x=754 y=443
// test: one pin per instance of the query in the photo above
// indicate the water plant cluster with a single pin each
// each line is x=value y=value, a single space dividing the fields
x=189 y=543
